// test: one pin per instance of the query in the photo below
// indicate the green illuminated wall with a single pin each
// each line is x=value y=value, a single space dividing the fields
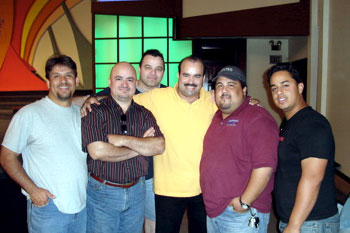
x=125 y=38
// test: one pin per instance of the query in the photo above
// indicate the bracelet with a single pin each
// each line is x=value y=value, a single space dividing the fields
x=244 y=205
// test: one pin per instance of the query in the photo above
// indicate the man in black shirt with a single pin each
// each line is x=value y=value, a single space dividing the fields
x=304 y=185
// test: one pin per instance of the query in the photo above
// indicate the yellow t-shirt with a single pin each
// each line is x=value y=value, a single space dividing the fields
x=176 y=171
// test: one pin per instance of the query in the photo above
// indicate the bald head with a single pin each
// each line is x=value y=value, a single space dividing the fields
x=122 y=82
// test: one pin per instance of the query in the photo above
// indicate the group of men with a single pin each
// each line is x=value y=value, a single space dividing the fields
x=215 y=159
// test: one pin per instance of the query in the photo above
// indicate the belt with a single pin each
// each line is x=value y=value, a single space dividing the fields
x=124 y=186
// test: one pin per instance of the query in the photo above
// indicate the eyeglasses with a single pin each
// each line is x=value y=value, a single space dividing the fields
x=123 y=127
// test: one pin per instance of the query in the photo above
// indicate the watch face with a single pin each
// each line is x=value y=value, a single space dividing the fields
x=245 y=206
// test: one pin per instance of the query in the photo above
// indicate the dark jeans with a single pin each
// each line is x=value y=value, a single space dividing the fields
x=170 y=211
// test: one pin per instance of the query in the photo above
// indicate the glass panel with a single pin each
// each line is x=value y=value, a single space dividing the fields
x=165 y=77
x=102 y=74
x=105 y=51
x=97 y=90
x=130 y=50
x=129 y=26
x=171 y=27
x=179 y=49
x=136 y=66
x=105 y=26
x=173 y=68
x=155 y=27
x=160 y=44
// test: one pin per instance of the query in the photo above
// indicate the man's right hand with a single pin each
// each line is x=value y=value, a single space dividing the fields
x=40 y=197
x=87 y=105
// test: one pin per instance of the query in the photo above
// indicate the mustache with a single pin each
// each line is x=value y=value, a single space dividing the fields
x=190 y=84
x=225 y=94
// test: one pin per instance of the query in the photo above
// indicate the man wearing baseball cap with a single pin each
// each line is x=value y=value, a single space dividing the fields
x=239 y=159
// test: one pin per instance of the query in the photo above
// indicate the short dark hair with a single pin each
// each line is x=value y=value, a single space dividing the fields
x=192 y=58
x=153 y=53
x=285 y=66
x=62 y=60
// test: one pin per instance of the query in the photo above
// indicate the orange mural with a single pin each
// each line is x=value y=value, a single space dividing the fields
x=22 y=22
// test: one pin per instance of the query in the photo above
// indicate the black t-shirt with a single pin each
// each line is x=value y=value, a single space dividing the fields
x=307 y=134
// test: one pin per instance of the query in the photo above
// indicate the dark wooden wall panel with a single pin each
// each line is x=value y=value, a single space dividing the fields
x=283 y=20
x=150 y=8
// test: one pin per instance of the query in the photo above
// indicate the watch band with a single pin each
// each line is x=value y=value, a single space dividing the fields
x=244 y=205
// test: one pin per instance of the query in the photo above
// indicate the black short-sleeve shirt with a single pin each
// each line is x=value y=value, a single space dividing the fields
x=307 y=134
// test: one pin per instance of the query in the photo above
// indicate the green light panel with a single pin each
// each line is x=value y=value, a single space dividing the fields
x=102 y=75
x=136 y=66
x=154 y=27
x=160 y=44
x=131 y=42
x=106 y=51
x=130 y=50
x=171 y=27
x=165 y=77
x=105 y=26
x=173 y=68
x=179 y=49
x=129 y=26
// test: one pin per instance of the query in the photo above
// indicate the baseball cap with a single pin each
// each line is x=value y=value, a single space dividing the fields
x=231 y=72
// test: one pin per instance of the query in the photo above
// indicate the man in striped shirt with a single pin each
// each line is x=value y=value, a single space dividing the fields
x=117 y=135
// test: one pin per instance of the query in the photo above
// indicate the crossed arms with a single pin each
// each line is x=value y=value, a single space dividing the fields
x=123 y=147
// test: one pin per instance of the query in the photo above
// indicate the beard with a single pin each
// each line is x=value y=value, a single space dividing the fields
x=64 y=97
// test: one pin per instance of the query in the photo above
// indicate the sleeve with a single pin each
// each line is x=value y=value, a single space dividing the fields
x=104 y=92
x=152 y=122
x=314 y=138
x=262 y=137
x=146 y=99
x=18 y=131
x=93 y=128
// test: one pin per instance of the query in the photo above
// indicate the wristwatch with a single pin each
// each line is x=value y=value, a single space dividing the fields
x=244 y=205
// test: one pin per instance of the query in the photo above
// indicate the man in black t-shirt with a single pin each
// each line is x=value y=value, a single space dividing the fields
x=304 y=185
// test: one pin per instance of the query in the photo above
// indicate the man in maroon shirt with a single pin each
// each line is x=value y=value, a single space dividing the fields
x=239 y=158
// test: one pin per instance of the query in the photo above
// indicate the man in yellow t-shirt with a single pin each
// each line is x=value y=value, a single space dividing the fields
x=183 y=113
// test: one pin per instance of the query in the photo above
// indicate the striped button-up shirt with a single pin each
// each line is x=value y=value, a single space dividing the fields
x=106 y=118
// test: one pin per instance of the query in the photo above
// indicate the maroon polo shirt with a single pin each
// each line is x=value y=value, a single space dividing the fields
x=247 y=139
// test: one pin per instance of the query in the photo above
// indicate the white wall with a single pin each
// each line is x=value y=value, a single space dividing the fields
x=298 y=48
x=338 y=80
x=258 y=58
x=206 y=7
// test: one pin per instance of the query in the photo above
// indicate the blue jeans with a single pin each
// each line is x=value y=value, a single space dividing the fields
x=345 y=217
x=49 y=219
x=150 y=210
x=327 y=225
x=113 y=209
x=233 y=222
